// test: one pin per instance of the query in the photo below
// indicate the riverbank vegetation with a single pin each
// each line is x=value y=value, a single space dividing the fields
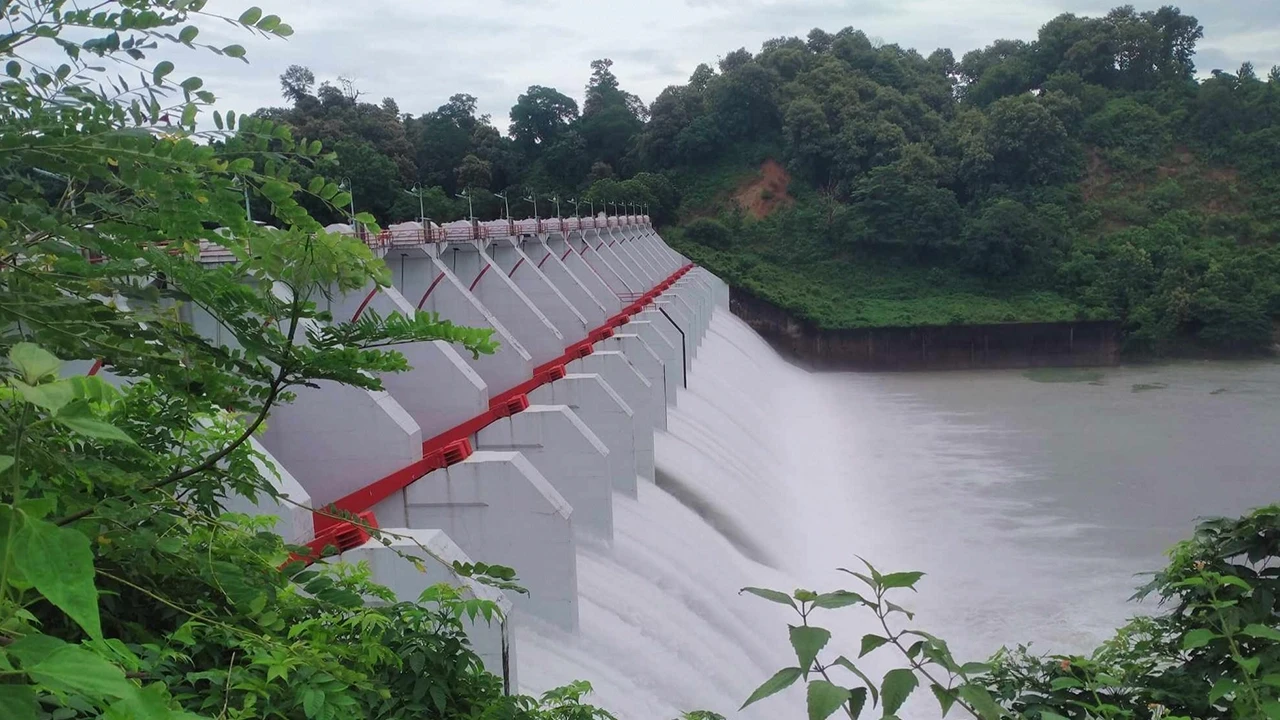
x=1211 y=652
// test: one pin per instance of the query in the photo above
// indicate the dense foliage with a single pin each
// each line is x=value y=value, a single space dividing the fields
x=1212 y=653
x=125 y=592
x=1088 y=173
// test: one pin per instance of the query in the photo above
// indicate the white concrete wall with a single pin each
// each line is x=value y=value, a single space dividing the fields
x=606 y=413
x=427 y=284
x=500 y=510
x=568 y=454
x=338 y=439
x=642 y=357
x=628 y=382
x=574 y=288
x=507 y=302
x=511 y=259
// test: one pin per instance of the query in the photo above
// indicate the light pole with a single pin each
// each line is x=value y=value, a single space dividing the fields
x=533 y=198
x=592 y=204
x=575 y=206
x=422 y=211
x=556 y=199
x=471 y=216
x=506 y=208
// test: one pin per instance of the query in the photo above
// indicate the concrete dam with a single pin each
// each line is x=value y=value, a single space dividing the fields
x=543 y=456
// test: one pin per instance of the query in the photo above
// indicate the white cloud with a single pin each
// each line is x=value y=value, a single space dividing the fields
x=423 y=52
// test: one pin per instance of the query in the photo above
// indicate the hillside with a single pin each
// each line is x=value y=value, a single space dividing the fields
x=1092 y=172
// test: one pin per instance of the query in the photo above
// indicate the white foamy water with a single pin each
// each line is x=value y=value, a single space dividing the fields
x=1030 y=506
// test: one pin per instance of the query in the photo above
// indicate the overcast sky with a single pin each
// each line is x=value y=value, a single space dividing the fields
x=422 y=51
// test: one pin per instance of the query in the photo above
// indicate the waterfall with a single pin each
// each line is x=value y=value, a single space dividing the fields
x=663 y=627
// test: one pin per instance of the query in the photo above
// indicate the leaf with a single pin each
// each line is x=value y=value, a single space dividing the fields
x=34 y=648
x=1261 y=631
x=838 y=599
x=192 y=84
x=1046 y=715
x=13 y=68
x=871 y=642
x=149 y=703
x=163 y=68
x=341 y=200
x=92 y=427
x=844 y=662
x=312 y=702
x=808 y=642
x=73 y=669
x=283 y=30
x=1198 y=638
x=1272 y=680
x=778 y=597
x=50 y=396
x=235 y=51
x=6 y=462
x=34 y=362
x=1250 y=665
x=981 y=700
x=1063 y=683
x=269 y=23
x=946 y=698
x=251 y=16
x=18 y=702
x=974 y=668
x=780 y=681
x=59 y=563
x=901 y=579
x=315 y=185
x=188 y=34
x=896 y=688
x=824 y=699
x=857 y=700
x=1272 y=709
x=1225 y=686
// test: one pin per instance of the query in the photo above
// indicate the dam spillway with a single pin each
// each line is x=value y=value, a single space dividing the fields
x=520 y=458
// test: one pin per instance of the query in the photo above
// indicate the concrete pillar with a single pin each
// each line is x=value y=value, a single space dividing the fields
x=491 y=286
x=616 y=242
x=294 y=520
x=644 y=360
x=427 y=284
x=567 y=281
x=667 y=351
x=568 y=454
x=441 y=391
x=646 y=245
x=337 y=439
x=434 y=553
x=500 y=510
x=627 y=251
x=636 y=282
x=614 y=368
x=676 y=357
x=682 y=317
x=621 y=283
x=602 y=290
x=511 y=259
x=609 y=417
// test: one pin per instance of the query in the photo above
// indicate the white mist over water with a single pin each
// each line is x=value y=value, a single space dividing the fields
x=1029 y=505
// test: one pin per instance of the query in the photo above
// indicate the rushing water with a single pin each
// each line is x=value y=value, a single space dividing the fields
x=1031 y=500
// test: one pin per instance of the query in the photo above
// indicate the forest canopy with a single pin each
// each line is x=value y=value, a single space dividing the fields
x=1091 y=172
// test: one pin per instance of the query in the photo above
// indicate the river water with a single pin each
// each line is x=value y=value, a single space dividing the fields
x=1031 y=500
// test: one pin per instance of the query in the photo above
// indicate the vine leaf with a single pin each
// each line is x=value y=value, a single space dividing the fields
x=808 y=642
x=59 y=563
x=780 y=681
x=896 y=688
x=824 y=699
